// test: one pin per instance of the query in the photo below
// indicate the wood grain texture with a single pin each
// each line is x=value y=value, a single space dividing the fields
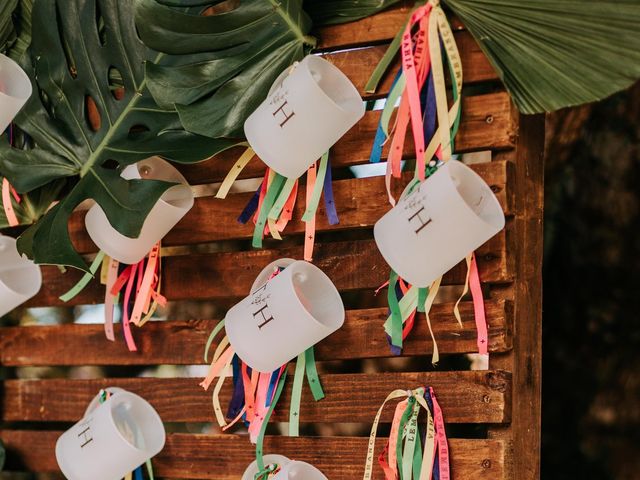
x=182 y=342
x=359 y=64
x=376 y=28
x=486 y=124
x=225 y=457
x=360 y=203
x=355 y=265
x=526 y=359
x=466 y=397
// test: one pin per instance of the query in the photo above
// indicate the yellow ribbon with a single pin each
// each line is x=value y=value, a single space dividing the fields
x=233 y=174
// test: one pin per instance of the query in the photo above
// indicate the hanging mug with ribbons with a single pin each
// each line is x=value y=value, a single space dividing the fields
x=15 y=90
x=437 y=225
x=20 y=278
x=113 y=438
x=166 y=213
x=284 y=316
x=309 y=108
x=288 y=469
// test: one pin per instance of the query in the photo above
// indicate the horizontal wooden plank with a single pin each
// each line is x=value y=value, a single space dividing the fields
x=486 y=124
x=380 y=27
x=355 y=265
x=360 y=202
x=465 y=397
x=182 y=342
x=359 y=64
x=225 y=457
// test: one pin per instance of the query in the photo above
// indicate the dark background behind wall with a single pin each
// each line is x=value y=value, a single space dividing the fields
x=591 y=324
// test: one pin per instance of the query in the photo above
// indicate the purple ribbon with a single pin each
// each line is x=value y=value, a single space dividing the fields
x=329 y=202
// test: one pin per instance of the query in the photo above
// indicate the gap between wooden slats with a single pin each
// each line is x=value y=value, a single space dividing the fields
x=360 y=202
x=465 y=397
x=354 y=265
x=182 y=342
x=486 y=123
x=225 y=457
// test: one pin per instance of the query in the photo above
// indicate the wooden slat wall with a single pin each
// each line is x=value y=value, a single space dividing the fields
x=217 y=456
x=505 y=398
x=47 y=345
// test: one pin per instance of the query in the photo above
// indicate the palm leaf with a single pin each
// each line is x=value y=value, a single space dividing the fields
x=221 y=65
x=552 y=54
x=7 y=31
x=22 y=24
x=329 y=12
x=75 y=48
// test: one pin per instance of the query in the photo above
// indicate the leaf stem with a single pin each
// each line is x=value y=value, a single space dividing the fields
x=95 y=155
x=305 y=39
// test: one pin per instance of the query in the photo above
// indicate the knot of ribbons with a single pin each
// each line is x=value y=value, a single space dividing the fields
x=255 y=394
x=411 y=453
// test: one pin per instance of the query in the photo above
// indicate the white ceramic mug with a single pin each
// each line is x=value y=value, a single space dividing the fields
x=113 y=438
x=165 y=214
x=283 y=317
x=20 y=278
x=15 y=90
x=289 y=469
x=309 y=108
x=436 y=226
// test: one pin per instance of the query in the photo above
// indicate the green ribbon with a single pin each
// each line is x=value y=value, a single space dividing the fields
x=276 y=210
x=422 y=298
x=272 y=193
x=408 y=455
x=317 y=189
x=86 y=278
x=396 y=313
x=407 y=304
x=402 y=433
x=296 y=395
x=385 y=61
x=312 y=375
x=263 y=429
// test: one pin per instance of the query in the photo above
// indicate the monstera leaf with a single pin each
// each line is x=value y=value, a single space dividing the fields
x=85 y=56
x=328 y=12
x=557 y=53
x=226 y=61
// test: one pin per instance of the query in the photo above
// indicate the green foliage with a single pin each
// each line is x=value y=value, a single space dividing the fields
x=223 y=64
x=83 y=49
x=328 y=12
x=7 y=31
x=552 y=54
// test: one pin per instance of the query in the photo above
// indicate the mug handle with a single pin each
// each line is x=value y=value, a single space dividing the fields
x=263 y=276
x=96 y=400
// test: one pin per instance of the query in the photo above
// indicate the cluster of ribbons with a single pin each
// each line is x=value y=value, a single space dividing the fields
x=137 y=474
x=419 y=98
x=8 y=192
x=411 y=452
x=272 y=205
x=138 y=285
x=255 y=394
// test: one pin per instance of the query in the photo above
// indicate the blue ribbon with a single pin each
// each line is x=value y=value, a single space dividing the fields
x=251 y=207
x=379 y=139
